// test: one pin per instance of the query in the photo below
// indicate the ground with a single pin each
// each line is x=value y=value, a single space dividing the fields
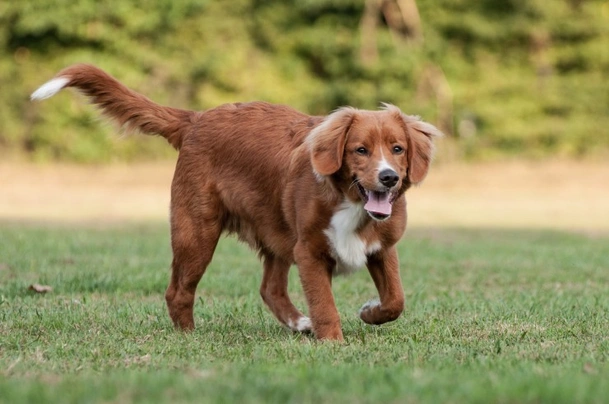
x=504 y=267
x=560 y=195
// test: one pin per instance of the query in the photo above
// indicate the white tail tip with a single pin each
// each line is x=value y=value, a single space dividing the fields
x=50 y=88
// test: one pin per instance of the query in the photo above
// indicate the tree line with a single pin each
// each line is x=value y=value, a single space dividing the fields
x=501 y=78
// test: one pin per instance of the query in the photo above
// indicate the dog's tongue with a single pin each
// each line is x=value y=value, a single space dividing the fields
x=378 y=202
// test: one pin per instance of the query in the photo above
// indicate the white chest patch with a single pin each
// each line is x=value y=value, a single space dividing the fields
x=350 y=251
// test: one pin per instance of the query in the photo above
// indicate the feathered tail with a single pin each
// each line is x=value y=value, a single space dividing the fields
x=128 y=108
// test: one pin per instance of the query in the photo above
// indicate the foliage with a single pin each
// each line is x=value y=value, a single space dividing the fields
x=492 y=316
x=525 y=77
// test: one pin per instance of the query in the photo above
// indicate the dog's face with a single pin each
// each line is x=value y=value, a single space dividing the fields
x=372 y=156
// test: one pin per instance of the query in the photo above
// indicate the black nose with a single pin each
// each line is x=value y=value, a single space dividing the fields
x=388 y=178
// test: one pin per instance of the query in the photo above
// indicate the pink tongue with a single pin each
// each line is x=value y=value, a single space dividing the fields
x=378 y=203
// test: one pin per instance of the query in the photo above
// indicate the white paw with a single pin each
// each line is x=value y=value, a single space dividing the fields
x=301 y=325
x=370 y=304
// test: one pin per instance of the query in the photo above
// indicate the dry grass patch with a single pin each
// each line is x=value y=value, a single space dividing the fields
x=564 y=195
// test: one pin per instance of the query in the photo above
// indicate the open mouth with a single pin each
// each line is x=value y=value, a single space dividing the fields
x=377 y=203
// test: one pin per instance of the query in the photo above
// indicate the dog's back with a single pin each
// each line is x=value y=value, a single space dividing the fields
x=242 y=153
x=236 y=155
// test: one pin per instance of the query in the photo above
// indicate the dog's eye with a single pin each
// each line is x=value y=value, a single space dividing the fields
x=362 y=151
x=398 y=149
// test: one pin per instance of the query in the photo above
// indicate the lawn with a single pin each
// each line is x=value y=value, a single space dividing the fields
x=492 y=316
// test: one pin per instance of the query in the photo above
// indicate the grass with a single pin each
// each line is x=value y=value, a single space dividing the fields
x=492 y=316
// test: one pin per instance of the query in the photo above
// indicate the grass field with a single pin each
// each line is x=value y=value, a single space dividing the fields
x=492 y=316
x=505 y=269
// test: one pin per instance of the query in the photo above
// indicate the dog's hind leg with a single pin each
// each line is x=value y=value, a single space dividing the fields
x=195 y=230
x=274 y=292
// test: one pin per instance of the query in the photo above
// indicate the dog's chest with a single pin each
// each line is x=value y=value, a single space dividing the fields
x=348 y=248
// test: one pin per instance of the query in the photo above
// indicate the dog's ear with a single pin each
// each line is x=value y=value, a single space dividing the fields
x=420 y=147
x=420 y=143
x=327 y=141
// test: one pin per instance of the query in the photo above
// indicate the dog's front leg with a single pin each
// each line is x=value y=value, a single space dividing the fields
x=385 y=271
x=315 y=272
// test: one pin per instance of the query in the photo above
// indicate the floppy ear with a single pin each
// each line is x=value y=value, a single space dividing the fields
x=420 y=143
x=327 y=141
x=420 y=147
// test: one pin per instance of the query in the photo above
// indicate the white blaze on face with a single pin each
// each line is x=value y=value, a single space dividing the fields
x=384 y=165
x=380 y=202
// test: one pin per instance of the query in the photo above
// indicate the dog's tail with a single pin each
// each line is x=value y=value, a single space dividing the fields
x=128 y=108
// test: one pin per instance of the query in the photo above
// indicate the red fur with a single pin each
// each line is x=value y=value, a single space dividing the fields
x=276 y=177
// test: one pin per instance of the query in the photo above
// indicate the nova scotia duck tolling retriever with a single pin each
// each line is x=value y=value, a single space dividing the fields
x=323 y=192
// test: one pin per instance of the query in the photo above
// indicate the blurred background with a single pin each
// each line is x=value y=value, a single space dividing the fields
x=516 y=85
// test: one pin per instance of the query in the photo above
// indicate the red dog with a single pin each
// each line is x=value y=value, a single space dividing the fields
x=326 y=193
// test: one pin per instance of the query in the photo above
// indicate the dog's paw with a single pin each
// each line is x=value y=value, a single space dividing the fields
x=303 y=324
x=370 y=304
x=366 y=312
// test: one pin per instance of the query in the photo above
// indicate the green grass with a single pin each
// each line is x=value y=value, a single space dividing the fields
x=492 y=316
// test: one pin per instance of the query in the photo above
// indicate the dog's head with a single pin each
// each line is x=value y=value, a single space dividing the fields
x=373 y=156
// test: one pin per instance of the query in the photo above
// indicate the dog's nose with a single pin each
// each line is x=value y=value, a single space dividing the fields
x=388 y=178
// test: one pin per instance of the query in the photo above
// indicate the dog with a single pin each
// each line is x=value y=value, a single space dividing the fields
x=323 y=192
